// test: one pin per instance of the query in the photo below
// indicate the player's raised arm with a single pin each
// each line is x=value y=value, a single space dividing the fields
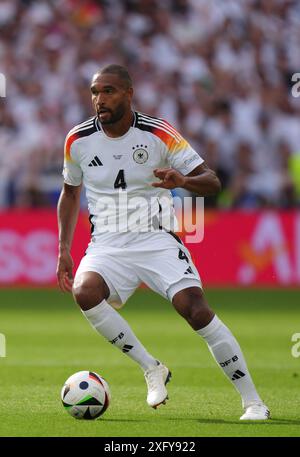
x=202 y=180
x=67 y=214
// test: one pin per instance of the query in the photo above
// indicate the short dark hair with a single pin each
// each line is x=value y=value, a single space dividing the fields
x=118 y=70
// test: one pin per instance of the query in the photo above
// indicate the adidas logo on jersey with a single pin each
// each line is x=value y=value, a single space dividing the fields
x=96 y=162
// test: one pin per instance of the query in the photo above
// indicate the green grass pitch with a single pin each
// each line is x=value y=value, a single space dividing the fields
x=48 y=339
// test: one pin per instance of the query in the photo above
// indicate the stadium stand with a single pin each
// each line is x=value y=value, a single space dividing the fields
x=219 y=71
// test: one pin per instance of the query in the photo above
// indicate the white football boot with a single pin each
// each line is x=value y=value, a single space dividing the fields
x=156 y=379
x=256 y=412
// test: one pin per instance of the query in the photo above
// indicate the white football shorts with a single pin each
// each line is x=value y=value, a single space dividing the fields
x=125 y=260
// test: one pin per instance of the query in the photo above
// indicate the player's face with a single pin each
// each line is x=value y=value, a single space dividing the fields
x=110 y=98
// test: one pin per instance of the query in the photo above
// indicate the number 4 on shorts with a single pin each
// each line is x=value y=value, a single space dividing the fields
x=183 y=256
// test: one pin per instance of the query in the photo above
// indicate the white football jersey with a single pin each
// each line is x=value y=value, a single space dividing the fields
x=117 y=173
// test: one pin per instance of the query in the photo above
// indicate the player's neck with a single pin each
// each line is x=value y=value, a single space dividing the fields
x=119 y=128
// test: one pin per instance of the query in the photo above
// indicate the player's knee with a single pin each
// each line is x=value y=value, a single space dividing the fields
x=89 y=292
x=191 y=304
x=86 y=296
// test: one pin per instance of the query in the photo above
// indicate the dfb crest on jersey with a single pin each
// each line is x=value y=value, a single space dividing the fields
x=140 y=155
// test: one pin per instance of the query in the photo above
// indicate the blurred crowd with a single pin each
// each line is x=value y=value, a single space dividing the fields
x=219 y=71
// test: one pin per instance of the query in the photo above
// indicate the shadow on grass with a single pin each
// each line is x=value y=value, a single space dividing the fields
x=243 y=423
x=212 y=421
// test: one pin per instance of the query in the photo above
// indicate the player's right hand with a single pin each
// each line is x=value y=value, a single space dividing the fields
x=64 y=271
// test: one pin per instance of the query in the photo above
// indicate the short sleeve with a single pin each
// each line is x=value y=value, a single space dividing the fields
x=72 y=171
x=180 y=154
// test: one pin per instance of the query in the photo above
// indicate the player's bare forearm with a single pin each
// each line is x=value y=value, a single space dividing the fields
x=202 y=180
x=67 y=214
x=205 y=183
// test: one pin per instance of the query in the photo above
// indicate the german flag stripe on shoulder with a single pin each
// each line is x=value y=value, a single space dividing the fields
x=79 y=131
x=163 y=130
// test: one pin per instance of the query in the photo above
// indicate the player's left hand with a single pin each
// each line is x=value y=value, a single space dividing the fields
x=169 y=178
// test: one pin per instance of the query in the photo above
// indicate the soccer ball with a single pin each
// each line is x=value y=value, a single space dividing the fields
x=85 y=395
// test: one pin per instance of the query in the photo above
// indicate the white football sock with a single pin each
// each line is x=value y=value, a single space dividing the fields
x=110 y=324
x=227 y=352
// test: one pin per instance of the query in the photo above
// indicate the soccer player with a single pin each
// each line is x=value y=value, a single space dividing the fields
x=117 y=153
